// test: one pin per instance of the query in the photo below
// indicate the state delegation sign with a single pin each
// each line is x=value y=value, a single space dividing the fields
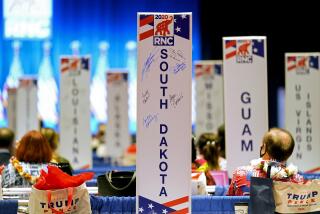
x=164 y=112
x=75 y=111
x=303 y=108
x=245 y=98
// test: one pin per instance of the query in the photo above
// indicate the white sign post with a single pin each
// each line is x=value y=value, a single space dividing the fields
x=303 y=108
x=117 y=133
x=164 y=112
x=209 y=96
x=75 y=111
x=12 y=109
x=245 y=98
x=26 y=108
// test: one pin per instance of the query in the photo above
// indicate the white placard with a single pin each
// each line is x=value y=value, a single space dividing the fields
x=209 y=96
x=12 y=109
x=245 y=98
x=164 y=112
x=303 y=108
x=26 y=108
x=75 y=133
x=117 y=133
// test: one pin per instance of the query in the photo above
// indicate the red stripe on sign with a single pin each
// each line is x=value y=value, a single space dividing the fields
x=183 y=211
x=146 y=34
x=176 y=201
x=64 y=64
x=199 y=74
x=313 y=170
x=291 y=58
x=207 y=70
x=231 y=54
x=64 y=60
x=74 y=64
x=291 y=67
x=231 y=43
x=64 y=68
x=147 y=20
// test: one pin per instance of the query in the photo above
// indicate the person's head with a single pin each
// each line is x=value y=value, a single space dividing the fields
x=221 y=140
x=6 y=138
x=211 y=153
x=193 y=150
x=277 y=144
x=101 y=130
x=33 y=148
x=221 y=131
x=51 y=136
x=133 y=138
x=203 y=139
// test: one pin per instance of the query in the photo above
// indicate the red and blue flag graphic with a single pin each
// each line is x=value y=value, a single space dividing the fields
x=85 y=63
x=68 y=64
x=74 y=64
x=256 y=45
x=146 y=25
x=218 y=69
x=314 y=62
x=203 y=70
x=27 y=82
x=304 y=62
x=181 y=26
x=115 y=77
x=291 y=63
x=149 y=206
x=230 y=48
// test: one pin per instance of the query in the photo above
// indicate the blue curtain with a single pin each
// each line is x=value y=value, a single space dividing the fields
x=91 y=21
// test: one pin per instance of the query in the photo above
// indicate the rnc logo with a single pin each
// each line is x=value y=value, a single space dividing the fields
x=244 y=52
x=302 y=64
x=163 y=28
x=163 y=35
x=163 y=41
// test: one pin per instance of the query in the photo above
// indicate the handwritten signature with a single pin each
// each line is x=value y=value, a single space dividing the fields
x=147 y=120
x=179 y=67
x=175 y=99
x=16 y=5
x=145 y=96
x=177 y=55
x=148 y=62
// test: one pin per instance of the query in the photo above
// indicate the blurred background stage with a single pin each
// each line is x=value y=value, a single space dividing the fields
x=289 y=28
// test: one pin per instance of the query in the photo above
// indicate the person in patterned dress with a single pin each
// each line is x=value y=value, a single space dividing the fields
x=33 y=153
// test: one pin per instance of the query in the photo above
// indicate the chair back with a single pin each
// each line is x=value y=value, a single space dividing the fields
x=220 y=177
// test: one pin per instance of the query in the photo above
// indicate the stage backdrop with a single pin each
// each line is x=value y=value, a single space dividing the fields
x=91 y=22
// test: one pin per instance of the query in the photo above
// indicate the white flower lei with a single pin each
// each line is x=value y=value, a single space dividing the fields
x=277 y=172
